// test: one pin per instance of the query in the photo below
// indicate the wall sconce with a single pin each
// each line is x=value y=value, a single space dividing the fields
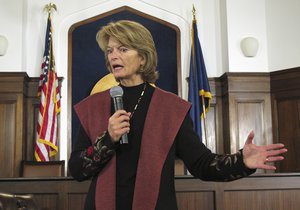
x=3 y=45
x=249 y=46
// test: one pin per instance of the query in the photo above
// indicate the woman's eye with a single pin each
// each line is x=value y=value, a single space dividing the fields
x=123 y=49
x=108 y=51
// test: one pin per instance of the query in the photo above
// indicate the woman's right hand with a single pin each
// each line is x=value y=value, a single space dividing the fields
x=118 y=124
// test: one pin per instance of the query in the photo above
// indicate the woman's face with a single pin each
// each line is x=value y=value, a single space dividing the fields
x=124 y=63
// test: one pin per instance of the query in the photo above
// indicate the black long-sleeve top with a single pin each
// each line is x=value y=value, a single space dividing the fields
x=87 y=160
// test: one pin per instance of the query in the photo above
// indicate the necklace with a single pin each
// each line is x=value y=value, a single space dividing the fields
x=138 y=101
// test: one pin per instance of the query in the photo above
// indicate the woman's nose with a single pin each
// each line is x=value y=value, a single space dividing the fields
x=114 y=54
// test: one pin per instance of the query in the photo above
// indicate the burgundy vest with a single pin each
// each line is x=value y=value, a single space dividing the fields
x=164 y=118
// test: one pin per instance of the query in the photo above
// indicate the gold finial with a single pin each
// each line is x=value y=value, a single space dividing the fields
x=49 y=7
x=194 y=12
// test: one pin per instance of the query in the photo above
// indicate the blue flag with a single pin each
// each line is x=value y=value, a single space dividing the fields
x=199 y=91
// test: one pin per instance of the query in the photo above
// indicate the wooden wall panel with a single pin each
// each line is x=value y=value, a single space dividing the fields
x=246 y=107
x=250 y=112
x=12 y=98
x=76 y=200
x=248 y=121
x=262 y=199
x=212 y=127
x=7 y=136
x=195 y=200
x=285 y=92
x=32 y=110
x=241 y=102
x=289 y=132
x=209 y=137
x=19 y=105
x=47 y=201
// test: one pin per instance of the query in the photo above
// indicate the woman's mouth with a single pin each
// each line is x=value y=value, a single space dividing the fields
x=117 y=67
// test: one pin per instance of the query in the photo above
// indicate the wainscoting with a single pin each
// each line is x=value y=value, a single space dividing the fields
x=268 y=103
x=257 y=192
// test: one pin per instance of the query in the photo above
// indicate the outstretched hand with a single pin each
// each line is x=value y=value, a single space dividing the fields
x=257 y=156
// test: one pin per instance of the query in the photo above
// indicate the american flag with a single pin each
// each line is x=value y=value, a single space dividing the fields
x=48 y=91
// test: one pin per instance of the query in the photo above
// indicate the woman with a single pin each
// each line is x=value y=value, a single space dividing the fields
x=140 y=174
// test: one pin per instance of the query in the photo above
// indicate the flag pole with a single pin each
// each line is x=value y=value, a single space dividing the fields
x=204 y=118
x=202 y=96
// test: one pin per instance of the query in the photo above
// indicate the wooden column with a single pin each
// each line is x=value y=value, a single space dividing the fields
x=12 y=122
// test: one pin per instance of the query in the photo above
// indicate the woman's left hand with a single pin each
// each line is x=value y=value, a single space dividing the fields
x=257 y=156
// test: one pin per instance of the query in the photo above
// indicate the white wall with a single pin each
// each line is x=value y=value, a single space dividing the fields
x=246 y=18
x=274 y=22
x=11 y=27
x=283 y=33
x=221 y=26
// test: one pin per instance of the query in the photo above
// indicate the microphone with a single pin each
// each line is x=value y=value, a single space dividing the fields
x=116 y=93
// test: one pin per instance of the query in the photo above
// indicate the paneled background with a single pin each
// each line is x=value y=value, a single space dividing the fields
x=268 y=103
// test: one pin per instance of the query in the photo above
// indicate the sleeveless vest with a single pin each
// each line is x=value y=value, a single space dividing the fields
x=165 y=115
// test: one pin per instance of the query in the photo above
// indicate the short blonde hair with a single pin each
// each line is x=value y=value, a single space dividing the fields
x=132 y=35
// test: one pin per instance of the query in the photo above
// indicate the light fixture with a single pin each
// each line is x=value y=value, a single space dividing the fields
x=3 y=45
x=249 y=46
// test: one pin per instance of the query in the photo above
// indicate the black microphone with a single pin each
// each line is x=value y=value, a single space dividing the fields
x=116 y=93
